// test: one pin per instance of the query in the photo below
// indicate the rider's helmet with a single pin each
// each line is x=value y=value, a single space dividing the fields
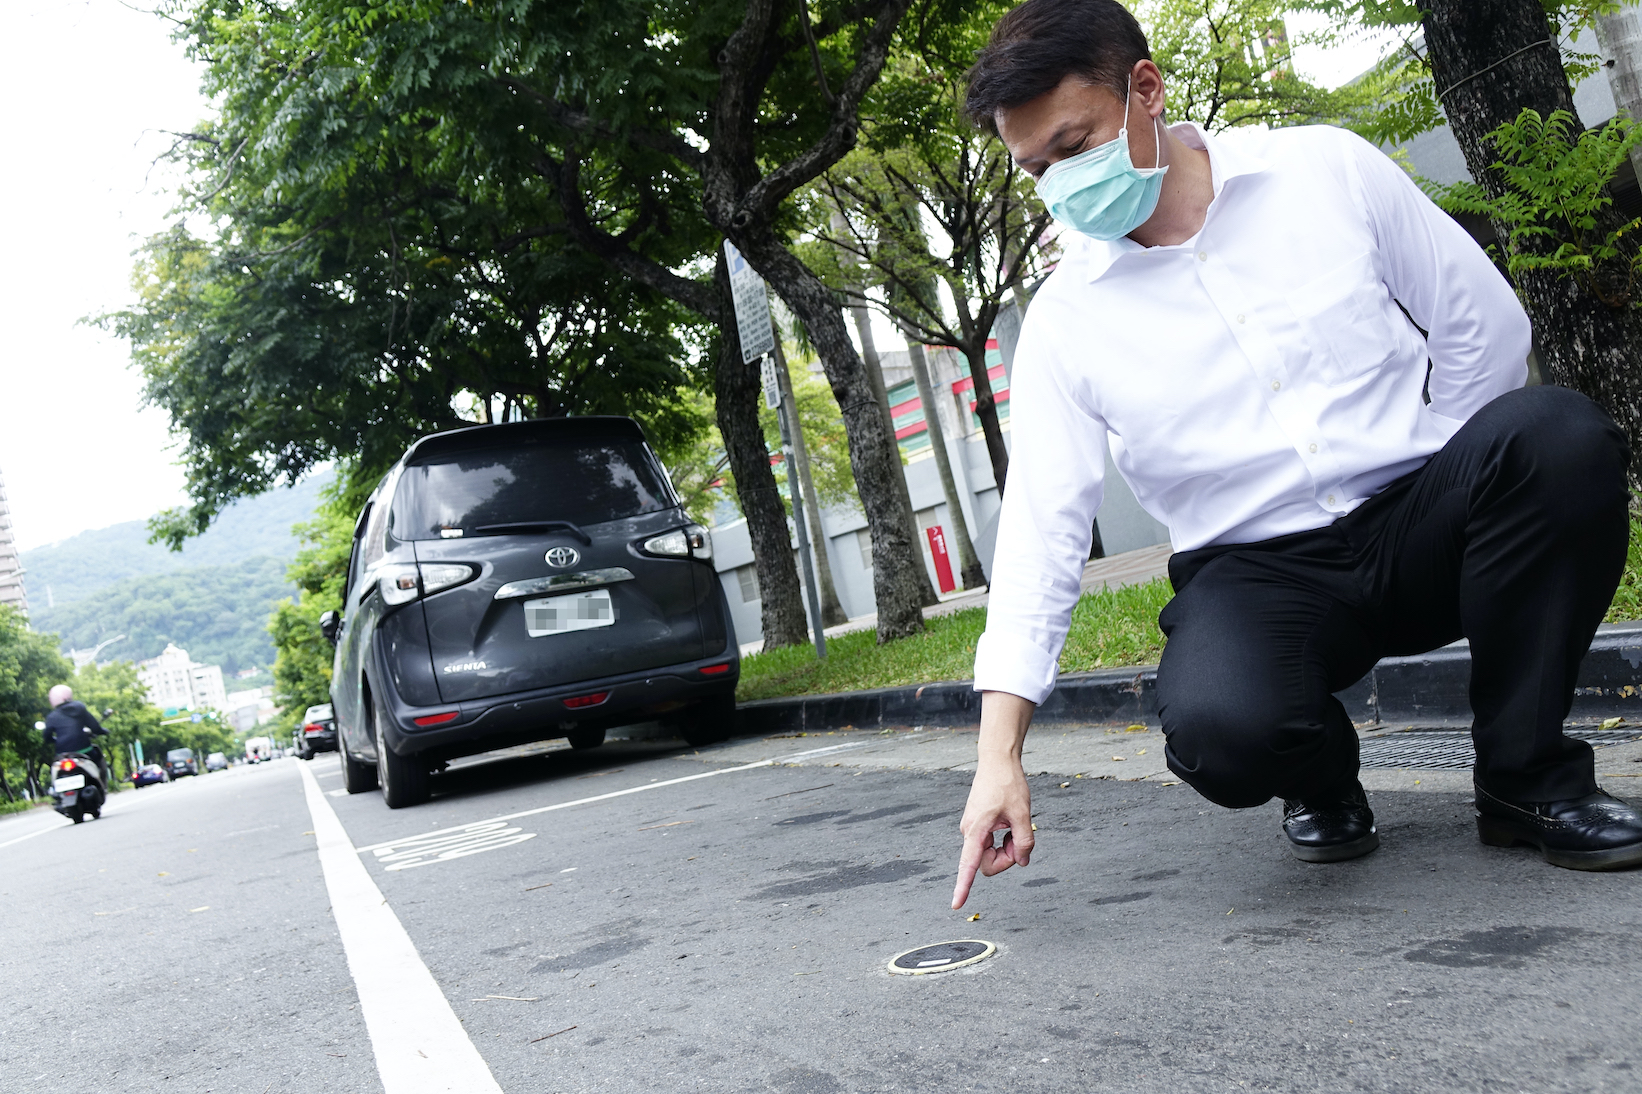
x=59 y=695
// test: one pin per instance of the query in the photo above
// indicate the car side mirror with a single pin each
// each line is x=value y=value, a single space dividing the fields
x=329 y=624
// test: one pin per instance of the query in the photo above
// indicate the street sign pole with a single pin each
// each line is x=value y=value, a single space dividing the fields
x=810 y=588
x=757 y=333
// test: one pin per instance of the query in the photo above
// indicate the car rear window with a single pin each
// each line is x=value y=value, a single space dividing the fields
x=579 y=481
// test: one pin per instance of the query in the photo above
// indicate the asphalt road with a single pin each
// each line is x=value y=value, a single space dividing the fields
x=730 y=933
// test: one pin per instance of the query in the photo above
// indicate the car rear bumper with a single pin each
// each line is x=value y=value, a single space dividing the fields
x=320 y=742
x=523 y=717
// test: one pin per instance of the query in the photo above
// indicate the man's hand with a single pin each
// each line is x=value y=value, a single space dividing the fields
x=999 y=799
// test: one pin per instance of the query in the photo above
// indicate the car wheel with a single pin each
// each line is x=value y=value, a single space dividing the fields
x=357 y=777
x=405 y=779
x=586 y=738
x=708 y=722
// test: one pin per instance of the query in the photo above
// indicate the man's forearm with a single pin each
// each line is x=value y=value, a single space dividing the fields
x=1005 y=718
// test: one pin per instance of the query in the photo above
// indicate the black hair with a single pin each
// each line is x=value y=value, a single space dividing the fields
x=1037 y=45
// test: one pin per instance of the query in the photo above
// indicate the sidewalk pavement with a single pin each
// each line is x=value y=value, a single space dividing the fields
x=1095 y=752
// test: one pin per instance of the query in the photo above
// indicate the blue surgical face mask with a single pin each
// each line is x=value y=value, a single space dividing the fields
x=1100 y=192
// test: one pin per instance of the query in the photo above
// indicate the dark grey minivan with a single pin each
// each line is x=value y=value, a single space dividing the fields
x=517 y=583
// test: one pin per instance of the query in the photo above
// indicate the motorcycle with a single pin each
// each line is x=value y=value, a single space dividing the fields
x=77 y=787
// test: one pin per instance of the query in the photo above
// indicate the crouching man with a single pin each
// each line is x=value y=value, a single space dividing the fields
x=1243 y=319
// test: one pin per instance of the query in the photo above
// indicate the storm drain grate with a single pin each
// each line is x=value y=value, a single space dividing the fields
x=1450 y=749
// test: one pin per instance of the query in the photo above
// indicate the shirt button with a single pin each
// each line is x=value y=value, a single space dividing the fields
x=1240 y=319
x=1202 y=256
x=1314 y=446
x=1331 y=499
x=1277 y=385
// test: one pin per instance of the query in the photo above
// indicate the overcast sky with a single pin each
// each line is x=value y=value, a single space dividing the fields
x=90 y=86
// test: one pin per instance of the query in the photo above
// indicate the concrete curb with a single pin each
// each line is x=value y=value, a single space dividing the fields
x=1428 y=689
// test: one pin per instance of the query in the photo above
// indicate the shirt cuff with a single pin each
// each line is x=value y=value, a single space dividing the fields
x=1004 y=662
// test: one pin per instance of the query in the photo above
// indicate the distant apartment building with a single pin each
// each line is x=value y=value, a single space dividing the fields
x=11 y=568
x=175 y=682
x=250 y=708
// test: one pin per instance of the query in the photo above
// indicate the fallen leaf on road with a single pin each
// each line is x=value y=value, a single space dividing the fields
x=1142 y=752
x=164 y=873
x=1118 y=758
x=202 y=908
x=1136 y=728
x=1612 y=723
x=975 y=918
x=1063 y=786
x=669 y=824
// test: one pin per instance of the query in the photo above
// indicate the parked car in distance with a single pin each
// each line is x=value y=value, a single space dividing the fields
x=521 y=582
x=216 y=762
x=181 y=761
x=148 y=773
x=316 y=733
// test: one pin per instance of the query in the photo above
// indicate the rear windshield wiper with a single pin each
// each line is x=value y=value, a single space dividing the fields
x=535 y=526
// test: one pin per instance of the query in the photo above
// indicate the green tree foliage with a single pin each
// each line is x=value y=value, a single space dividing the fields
x=29 y=667
x=1557 y=177
x=216 y=613
x=383 y=258
x=302 y=671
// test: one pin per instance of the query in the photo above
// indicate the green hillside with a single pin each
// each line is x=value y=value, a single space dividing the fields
x=76 y=567
x=219 y=614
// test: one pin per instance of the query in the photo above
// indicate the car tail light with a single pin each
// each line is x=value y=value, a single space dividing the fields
x=587 y=700
x=716 y=670
x=437 y=719
x=405 y=583
x=691 y=541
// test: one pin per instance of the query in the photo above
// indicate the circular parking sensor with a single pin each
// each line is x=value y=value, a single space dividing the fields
x=941 y=957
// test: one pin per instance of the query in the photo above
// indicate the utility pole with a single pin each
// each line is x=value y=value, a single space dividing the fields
x=970 y=574
x=781 y=403
x=1619 y=37
x=832 y=611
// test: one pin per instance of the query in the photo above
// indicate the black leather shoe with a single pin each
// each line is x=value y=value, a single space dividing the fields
x=1596 y=832
x=1331 y=827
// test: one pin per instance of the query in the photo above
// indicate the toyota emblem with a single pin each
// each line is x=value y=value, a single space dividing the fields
x=563 y=556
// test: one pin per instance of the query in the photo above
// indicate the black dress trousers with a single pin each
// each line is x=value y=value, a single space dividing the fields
x=1512 y=536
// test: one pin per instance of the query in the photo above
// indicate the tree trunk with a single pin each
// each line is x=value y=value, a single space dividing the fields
x=1491 y=61
x=900 y=584
x=986 y=408
x=1620 y=38
x=832 y=612
x=971 y=576
x=736 y=389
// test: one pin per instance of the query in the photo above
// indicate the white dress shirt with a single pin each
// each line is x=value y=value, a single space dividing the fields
x=1256 y=380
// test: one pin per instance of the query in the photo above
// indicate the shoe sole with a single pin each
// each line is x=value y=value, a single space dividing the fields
x=1495 y=832
x=1336 y=852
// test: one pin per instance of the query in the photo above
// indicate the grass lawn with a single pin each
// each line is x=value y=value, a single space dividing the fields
x=1108 y=629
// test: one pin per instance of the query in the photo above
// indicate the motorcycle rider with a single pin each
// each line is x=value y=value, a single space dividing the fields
x=71 y=729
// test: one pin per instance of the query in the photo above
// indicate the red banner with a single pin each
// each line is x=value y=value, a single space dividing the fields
x=943 y=563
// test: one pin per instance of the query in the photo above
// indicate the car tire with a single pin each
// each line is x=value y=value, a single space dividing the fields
x=405 y=780
x=584 y=739
x=357 y=777
x=708 y=722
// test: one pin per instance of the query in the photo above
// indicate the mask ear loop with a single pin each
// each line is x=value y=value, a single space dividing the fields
x=1157 y=122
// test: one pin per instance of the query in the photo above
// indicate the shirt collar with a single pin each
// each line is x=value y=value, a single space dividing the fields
x=1226 y=162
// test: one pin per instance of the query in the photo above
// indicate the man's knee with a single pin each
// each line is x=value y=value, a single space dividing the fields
x=1563 y=442
x=1240 y=754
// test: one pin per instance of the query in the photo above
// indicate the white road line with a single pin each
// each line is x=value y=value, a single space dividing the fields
x=39 y=832
x=420 y=1046
x=568 y=805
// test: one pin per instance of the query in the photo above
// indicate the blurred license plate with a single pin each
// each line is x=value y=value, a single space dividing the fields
x=71 y=782
x=573 y=612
